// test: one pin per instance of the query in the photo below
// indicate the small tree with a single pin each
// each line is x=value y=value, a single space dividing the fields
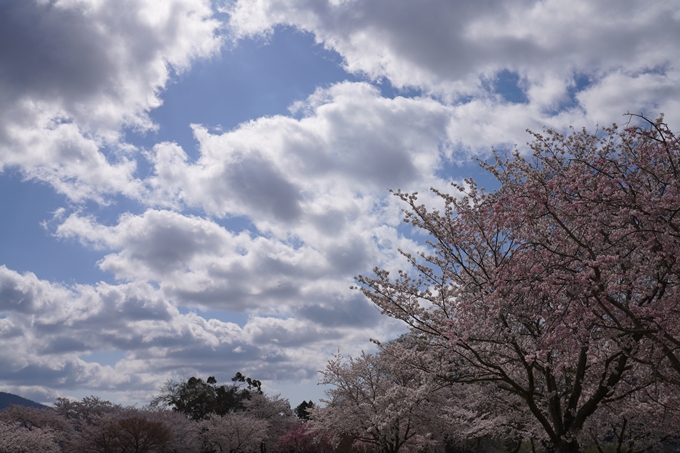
x=235 y=432
x=273 y=410
x=301 y=438
x=78 y=412
x=132 y=433
x=380 y=404
x=562 y=287
x=303 y=409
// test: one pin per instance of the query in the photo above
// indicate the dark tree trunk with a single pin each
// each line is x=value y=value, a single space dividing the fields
x=570 y=446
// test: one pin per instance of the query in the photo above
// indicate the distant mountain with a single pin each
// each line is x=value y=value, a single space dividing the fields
x=7 y=398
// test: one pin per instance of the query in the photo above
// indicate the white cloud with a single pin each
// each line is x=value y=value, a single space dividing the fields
x=76 y=72
x=650 y=93
x=199 y=263
x=195 y=262
x=282 y=172
x=48 y=331
x=451 y=48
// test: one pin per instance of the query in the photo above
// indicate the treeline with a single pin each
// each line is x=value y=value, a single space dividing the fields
x=188 y=416
x=387 y=402
x=406 y=398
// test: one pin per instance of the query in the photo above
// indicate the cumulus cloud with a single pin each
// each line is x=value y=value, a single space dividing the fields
x=320 y=175
x=74 y=72
x=49 y=330
x=197 y=262
x=457 y=49
x=315 y=190
x=320 y=169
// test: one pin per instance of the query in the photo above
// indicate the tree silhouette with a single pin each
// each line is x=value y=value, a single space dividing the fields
x=197 y=398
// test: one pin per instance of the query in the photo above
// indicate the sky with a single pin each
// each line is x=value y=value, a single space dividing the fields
x=188 y=188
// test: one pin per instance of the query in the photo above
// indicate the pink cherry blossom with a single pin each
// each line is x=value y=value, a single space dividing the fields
x=562 y=287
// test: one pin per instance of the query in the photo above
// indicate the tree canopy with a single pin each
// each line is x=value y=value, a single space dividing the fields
x=198 y=399
x=561 y=288
x=302 y=410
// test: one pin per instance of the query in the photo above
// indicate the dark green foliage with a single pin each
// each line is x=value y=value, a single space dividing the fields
x=198 y=399
x=252 y=383
x=302 y=411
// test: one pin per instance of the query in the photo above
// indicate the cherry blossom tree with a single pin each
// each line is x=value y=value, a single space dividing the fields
x=132 y=433
x=96 y=425
x=379 y=404
x=234 y=432
x=273 y=410
x=479 y=418
x=16 y=438
x=561 y=287
x=647 y=421
x=301 y=438
x=93 y=424
x=44 y=419
x=184 y=436
x=81 y=412
x=206 y=400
